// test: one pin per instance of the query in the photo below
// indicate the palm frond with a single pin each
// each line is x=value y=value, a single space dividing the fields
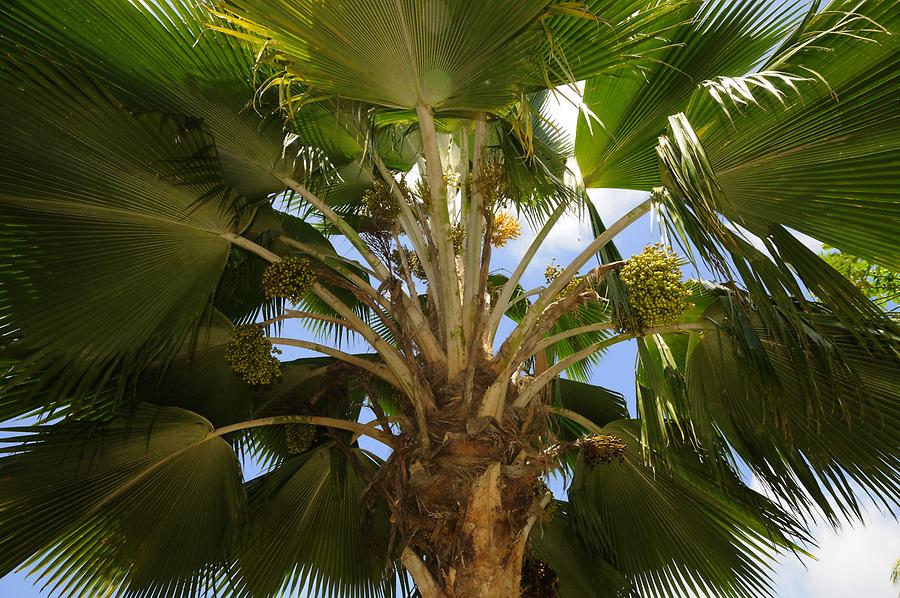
x=309 y=529
x=160 y=57
x=625 y=113
x=460 y=56
x=676 y=531
x=794 y=411
x=112 y=259
x=822 y=162
x=142 y=504
x=582 y=572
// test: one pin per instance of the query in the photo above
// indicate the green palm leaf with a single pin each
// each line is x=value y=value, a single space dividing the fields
x=95 y=224
x=598 y=405
x=793 y=410
x=463 y=55
x=625 y=113
x=676 y=532
x=142 y=503
x=822 y=161
x=309 y=528
x=157 y=57
x=581 y=571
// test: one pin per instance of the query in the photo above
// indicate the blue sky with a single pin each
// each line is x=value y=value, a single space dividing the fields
x=853 y=562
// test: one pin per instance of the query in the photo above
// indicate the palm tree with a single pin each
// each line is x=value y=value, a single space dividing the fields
x=174 y=173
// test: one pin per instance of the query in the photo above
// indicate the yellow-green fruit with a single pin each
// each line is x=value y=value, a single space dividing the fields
x=458 y=237
x=539 y=580
x=601 y=448
x=506 y=228
x=288 y=279
x=381 y=205
x=299 y=437
x=250 y=355
x=657 y=296
x=412 y=261
x=491 y=183
x=552 y=273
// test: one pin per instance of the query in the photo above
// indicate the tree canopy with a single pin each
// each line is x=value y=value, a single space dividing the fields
x=179 y=178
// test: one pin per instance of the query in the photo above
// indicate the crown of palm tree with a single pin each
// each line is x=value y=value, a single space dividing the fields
x=159 y=157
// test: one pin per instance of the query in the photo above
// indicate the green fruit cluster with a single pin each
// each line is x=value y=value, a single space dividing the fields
x=412 y=260
x=288 y=279
x=381 y=205
x=656 y=294
x=299 y=437
x=250 y=355
x=539 y=580
x=600 y=448
x=552 y=273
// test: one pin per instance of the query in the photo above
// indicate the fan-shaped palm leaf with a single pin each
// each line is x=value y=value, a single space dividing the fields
x=821 y=161
x=625 y=114
x=675 y=532
x=309 y=528
x=793 y=416
x=96 y=224
x=143 y=502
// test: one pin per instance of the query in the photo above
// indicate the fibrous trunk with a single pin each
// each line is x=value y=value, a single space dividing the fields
x=467 y=512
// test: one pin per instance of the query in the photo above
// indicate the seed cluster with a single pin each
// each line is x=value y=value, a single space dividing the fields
x=288 y=279
x=381 y=205
x=506 y=228
x=412 y=260
x=539 y=580
x=491 y=183
x=656 y=294
x=458 y=237
x=299 y=437
x=600 y=448
x=552 y=273
x=250 y=355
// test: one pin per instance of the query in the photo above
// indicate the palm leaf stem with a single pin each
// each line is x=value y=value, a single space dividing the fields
x=416 y=229
x=379 y=370
x=290 y=314
x=414 y=225
x=503 y=301
x=245 y=243
x=425 y=584
x=446 y=285
x=552 y=340
x=392 y=358
x=520 y=334
x=575 y=417
x=328 y=422
x=559 y=367
x=473 y=206
x=358 y=281
x=381 y=271
x=353 y=322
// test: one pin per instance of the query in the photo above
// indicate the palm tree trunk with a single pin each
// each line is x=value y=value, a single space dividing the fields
x=478 y=552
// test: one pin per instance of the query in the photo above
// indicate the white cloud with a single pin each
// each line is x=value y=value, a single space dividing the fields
x=852 y=562
x=612 y=204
